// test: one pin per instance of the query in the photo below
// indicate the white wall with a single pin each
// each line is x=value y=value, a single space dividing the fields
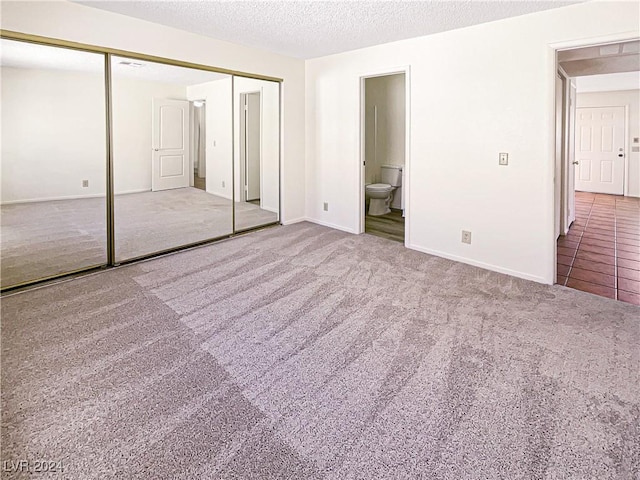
x=630 y=99
x=474 y=92
x=387 y=94
x=608 y=82
x=70 y=21
x=269 y=146
x=219 y=137
x=53 y=134
x=132 y=127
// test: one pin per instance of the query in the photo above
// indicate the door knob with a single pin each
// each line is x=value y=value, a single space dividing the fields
x=575 y=162
x=155 y=149
x=621 y=154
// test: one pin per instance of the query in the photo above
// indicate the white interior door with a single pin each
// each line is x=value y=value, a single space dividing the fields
x=600 y=149
x=170 y=136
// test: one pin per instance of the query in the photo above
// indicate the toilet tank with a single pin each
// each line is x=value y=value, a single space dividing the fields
x=391 y=174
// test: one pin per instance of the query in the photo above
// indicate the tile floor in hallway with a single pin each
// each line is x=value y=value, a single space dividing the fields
x=601 y=252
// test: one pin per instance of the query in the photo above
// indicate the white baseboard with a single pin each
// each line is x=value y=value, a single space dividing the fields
x=294 y=220
x=331 y=225
x=52 y=199
x=71 y=197
x=218 y=194
x=127 y=192
x=486 y=266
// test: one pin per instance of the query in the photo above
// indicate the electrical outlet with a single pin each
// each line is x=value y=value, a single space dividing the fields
x=222 y=183
x=466 y=236
x=326 y=206
x=503 y=159
x=85 y=183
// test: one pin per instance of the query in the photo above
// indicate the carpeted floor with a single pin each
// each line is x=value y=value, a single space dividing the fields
x=49 y=238
x=304 y=352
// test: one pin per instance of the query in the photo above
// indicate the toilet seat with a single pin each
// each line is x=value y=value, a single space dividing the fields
x=378 y=187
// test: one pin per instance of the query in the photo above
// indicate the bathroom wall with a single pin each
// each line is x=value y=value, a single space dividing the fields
x=387 y=93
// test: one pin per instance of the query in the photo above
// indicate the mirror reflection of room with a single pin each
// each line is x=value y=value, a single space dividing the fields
x=180 y=158
x=384 y=138
x=53 y=207
x=257 y=153
x=172 y=137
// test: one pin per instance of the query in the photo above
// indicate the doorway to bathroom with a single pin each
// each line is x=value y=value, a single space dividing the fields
x=199 y=132
x=384 y=147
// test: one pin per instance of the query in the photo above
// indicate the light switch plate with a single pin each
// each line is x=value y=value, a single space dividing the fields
x=503 y=159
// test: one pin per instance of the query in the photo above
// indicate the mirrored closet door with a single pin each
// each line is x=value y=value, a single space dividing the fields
x=172 y=156
x=54 y=137
x=107 y=159
x=257 y=152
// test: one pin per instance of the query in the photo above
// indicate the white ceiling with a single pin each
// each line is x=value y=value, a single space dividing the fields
x=309 y=29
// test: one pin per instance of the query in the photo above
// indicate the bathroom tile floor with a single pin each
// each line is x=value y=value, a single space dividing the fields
x=601 y=252
x=389 y=226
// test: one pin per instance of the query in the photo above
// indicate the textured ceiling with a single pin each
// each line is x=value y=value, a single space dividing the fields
x=308 y=29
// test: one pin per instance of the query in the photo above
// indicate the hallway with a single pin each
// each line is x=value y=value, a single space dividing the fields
x=601 y=252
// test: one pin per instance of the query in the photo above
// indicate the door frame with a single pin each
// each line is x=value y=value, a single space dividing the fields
x=553 y=50
x=243 y=147
x=406 y=70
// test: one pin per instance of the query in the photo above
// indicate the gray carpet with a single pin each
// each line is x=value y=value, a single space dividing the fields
x=42 y=239
x=304 y=352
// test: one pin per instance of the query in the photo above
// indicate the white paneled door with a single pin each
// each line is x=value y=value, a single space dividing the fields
x=599 y=150
x=170 y=137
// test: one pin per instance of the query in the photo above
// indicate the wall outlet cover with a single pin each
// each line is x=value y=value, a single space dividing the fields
x=466 y=236
x=326 y=206
x=85 y=183
x=503 y=159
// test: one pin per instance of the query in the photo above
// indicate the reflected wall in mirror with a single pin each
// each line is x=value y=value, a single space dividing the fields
x=53 y=161
x=172 y=154
x=257 y=152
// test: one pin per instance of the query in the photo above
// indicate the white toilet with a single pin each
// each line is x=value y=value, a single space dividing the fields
x=380 y=195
